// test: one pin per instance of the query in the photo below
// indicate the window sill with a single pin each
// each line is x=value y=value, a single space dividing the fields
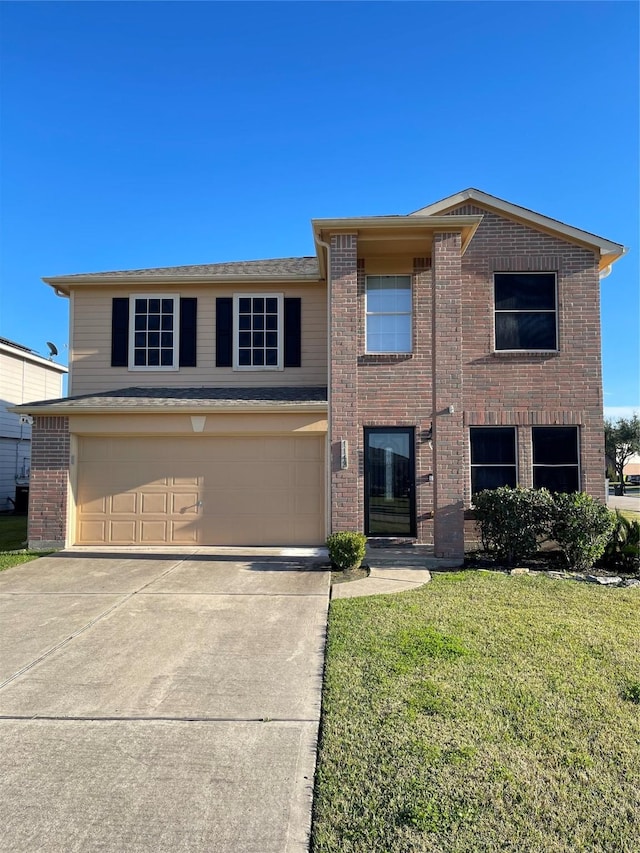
x=152 y=369
x=384 y=357
x=526 y=353
x=256 y=368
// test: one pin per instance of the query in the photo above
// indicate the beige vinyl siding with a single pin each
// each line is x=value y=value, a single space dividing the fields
x=91 y=355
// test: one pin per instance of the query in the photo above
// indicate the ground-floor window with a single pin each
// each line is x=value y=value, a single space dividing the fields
x=493 y=457
x=555 y=458
x=389 y=475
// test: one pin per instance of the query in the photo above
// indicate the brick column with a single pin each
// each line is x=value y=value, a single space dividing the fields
x=346 y=513
x=450 y=463
x=592 y=453
x=48 y=483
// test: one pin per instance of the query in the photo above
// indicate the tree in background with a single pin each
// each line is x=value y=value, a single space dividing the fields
x=621 y=441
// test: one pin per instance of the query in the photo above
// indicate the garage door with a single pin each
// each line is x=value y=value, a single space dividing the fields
x=200 y=490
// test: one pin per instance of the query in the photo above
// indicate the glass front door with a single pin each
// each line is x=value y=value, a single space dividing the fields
x=389 y=482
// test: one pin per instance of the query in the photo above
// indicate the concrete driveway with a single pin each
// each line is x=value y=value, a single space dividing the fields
x=160 y=702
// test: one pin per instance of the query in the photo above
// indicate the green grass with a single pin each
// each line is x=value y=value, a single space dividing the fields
x=482 y=712
x=13 y=535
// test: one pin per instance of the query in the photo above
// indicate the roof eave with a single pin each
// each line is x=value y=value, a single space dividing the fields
x=466 y=224
x=65 y=283
x=162 y=408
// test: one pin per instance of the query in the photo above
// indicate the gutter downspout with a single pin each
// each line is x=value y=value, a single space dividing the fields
x=329 y=387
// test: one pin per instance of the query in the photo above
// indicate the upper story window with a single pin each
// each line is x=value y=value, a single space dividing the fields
x=526 y=311
x=154 y=331
x=258 y=324
x=153 y=338
x=555 y=458
x=493 y=458
x=388 y=313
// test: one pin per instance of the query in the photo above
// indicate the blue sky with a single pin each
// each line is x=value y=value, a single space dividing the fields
x=156 y=134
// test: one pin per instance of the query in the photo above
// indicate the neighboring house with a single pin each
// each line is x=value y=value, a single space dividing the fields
x=24 y=375
x=414 y=360
x=632 y=468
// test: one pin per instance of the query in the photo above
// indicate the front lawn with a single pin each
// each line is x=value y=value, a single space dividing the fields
x=483 y=712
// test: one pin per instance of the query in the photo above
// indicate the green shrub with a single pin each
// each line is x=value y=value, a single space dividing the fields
x=346 y=549
x=581 y=527
x=622 y=551
x=513 y=521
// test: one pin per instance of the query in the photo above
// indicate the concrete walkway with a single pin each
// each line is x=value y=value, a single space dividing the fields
x=154 y=702
x=394 y=570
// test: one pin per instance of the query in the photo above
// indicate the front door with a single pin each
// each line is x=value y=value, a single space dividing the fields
x=389 y=481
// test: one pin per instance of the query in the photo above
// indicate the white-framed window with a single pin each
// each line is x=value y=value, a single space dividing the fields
x=388 y=313
x=493 y=457
x=525 y=311
x=556 y=455
x=153 y=331
x=258 y=331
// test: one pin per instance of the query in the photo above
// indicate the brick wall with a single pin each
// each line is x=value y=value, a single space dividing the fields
x=48 y=482
x=346 y=512
x=448 y=433
x=526 y=389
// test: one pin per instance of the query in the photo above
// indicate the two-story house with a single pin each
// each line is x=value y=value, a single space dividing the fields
x=413 y=361
x=24 y=375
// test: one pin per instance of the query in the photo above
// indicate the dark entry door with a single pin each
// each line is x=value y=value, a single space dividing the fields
x=389 y=481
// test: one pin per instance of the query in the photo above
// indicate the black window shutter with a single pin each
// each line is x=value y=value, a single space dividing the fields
x=292 y=337
x=120 y=332
x=188 y=331
x=224 y=331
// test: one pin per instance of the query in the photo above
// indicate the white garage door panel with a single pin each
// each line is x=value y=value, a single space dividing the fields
x=201 y=490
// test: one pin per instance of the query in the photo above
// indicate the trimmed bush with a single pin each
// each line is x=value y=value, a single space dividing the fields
x=346 y=549
x=582 y=527
x=513 y=521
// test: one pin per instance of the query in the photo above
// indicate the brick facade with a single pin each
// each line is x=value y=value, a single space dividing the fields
x=528 y=389
x=48 y=483
x=454 y=378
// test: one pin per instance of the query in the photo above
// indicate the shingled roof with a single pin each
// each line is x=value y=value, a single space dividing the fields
x=137 y=399
x=307 y=266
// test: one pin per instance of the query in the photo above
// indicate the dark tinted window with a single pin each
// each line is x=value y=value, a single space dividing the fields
x=493 y=457
x=555 y=458
x=525 y=311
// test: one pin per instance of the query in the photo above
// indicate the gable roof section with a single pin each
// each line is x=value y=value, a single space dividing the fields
x=608 y=250
x=312 y=269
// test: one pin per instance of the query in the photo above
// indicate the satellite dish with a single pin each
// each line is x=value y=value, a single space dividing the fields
x=53 y=349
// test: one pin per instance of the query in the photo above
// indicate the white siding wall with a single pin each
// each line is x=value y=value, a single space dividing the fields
x=21 y=381
x=91 y=370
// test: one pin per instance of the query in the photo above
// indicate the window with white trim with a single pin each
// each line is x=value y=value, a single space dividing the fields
x=525 y=311
x=555 y=458
x=493 y=458
x=258 y=324
x=388 y=313
x=153 y=332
